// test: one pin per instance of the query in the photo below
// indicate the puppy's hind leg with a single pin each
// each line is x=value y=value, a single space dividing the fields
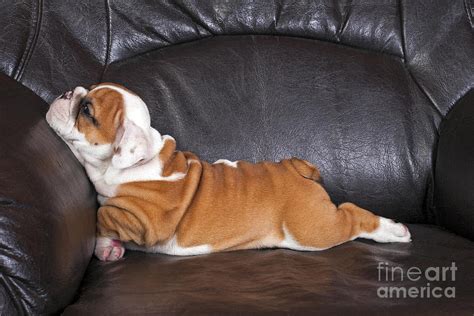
x=377 y=228
x=331 y=226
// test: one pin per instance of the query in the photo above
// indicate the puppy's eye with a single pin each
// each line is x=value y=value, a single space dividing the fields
x=85 y=109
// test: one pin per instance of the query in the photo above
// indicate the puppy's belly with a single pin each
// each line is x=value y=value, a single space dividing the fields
x=171 y=247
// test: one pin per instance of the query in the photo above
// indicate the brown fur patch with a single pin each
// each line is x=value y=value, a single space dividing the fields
x=113 y=85
x=108 y=111
x=172 y=160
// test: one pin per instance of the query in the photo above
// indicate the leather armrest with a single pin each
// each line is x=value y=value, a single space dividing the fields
x=47 y=209
x=454 y=173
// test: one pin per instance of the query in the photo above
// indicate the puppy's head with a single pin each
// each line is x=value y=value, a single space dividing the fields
x=107 y=123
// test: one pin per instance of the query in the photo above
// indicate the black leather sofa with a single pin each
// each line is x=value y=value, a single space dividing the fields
x=377 y=93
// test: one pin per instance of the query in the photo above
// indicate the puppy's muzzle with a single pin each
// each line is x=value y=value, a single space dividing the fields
x=66 y=95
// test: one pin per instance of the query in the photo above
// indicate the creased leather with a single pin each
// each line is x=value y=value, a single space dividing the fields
x=16 y=38
x=440 y=49
x=69 y=49
x=368 y=24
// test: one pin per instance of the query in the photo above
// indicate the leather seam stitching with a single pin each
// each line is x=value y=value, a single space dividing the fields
x=343 y=25
x=431 y=101
x=195 y=19
x=469 y=5
x=406 y=64
x=455 y=102
x=108 y=45
x=428 y=209
x=402 y=29
x=30 y=49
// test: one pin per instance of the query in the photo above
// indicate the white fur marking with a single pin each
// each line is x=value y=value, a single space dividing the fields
x=290 y=242
x=171 y=247
x=388 y=231
x=226 y=162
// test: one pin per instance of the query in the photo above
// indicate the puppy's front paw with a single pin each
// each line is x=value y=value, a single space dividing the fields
x=108 y=249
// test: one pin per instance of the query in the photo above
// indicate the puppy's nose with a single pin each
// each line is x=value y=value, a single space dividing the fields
x=66 y=95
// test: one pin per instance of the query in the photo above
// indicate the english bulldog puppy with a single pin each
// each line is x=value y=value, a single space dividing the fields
x=154 y=198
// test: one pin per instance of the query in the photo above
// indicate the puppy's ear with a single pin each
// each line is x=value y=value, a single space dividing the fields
x=131 y=147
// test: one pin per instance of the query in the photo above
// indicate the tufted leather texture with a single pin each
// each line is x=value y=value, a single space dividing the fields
x=439 y=48
x=183 y=21
x=47 y=209
x=360 y=88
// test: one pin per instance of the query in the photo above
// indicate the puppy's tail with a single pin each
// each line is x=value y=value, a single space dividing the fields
x=306 y=169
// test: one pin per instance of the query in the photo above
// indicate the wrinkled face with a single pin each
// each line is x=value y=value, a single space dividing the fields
x=106 y=122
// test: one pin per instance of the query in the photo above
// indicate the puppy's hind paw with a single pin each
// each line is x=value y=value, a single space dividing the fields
x=108 y=249
x=389 y=231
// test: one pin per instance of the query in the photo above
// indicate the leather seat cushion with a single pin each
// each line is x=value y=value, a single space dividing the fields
x=340 y=279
